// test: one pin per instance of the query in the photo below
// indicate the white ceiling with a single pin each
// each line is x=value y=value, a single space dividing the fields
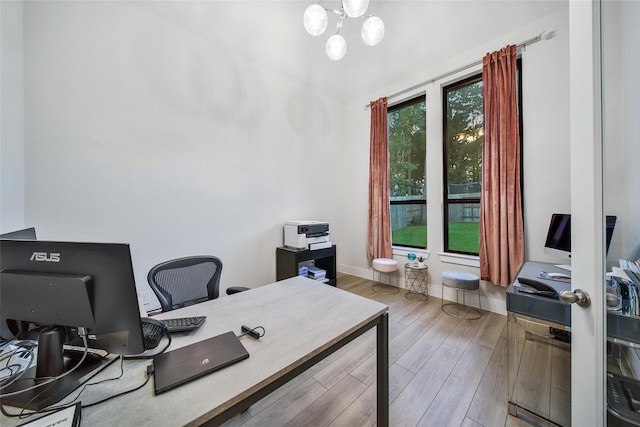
x=416 y=32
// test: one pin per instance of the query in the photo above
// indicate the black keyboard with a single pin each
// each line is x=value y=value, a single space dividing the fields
x=184 y=324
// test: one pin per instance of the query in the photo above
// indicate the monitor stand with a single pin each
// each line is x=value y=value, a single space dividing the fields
x=47 y=395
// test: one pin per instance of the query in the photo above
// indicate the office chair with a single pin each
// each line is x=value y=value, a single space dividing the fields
x=185 y=281
x=236 y=289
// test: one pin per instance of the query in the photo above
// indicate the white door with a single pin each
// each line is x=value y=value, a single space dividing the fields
x=587 y=219
x=602 y=49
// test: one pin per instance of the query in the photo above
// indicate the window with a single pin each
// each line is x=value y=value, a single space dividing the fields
x=463 y=140
x=407 y=156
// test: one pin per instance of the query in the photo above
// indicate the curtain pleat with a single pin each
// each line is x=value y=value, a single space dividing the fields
x=501 y=219
x=379 y=228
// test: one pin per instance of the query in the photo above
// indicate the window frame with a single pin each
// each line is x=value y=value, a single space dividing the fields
x=422 y=97
x=445 y=165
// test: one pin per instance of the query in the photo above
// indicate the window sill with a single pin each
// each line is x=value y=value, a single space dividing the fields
x=460 y=259
x=403 y=251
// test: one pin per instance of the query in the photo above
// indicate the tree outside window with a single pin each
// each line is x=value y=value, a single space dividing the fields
x=407 y=158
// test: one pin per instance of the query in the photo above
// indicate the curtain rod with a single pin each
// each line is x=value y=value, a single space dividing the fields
x=532 y=40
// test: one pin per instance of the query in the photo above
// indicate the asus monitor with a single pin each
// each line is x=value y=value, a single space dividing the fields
x=55 y=291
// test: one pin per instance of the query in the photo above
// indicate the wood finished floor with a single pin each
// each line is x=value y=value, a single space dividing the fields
x=442 y=372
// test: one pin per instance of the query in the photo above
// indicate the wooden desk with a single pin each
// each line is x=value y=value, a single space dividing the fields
x=304 y=322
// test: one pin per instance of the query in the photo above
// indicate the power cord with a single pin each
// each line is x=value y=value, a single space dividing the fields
x=23 y=350
x=153 y=326
x=149 y=373
x=49 y=381
x=252 y=332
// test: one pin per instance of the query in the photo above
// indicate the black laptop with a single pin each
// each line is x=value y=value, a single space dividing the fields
x=184 y=364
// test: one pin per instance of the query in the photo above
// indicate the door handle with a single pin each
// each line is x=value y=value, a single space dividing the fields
x=578 y=295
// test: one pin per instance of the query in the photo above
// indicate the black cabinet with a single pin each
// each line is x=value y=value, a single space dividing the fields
x=288 y=261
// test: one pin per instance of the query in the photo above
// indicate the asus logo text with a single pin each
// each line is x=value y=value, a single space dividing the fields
x=46 y=257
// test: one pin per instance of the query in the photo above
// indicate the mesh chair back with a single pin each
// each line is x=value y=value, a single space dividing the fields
x=185 y=281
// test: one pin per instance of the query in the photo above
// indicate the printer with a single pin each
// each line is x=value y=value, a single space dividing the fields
x=306 y=235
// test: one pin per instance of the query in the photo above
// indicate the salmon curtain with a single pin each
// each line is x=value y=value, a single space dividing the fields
x=379 y=234
x=501 y=222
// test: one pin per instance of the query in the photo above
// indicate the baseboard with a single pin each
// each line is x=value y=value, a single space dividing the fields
x=494 y=305
x=365 y=273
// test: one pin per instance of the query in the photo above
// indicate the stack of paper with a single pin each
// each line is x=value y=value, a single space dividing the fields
x=316 y=273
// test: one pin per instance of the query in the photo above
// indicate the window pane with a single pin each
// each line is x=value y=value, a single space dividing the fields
x=409 y=225
x=407 y=157
x=465 y=136
x=407 y=150
x=463 y=227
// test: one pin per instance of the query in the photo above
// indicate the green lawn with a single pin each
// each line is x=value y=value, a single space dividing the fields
x=463 y=236
x=415 y=235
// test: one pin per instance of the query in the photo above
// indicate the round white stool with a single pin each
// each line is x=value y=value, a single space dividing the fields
x=461 y=281
x=388 y=267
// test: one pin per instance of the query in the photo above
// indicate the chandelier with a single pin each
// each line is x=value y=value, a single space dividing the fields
x=315 y=22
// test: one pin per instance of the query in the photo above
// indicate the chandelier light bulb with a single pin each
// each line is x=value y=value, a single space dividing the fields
x=372 y=31
x=336 y=47
x=355 y=8
x=315 y=20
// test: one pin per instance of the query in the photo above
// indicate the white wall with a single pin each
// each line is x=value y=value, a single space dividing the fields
x=11 y=118
x=545 y=152
x=140 y=131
